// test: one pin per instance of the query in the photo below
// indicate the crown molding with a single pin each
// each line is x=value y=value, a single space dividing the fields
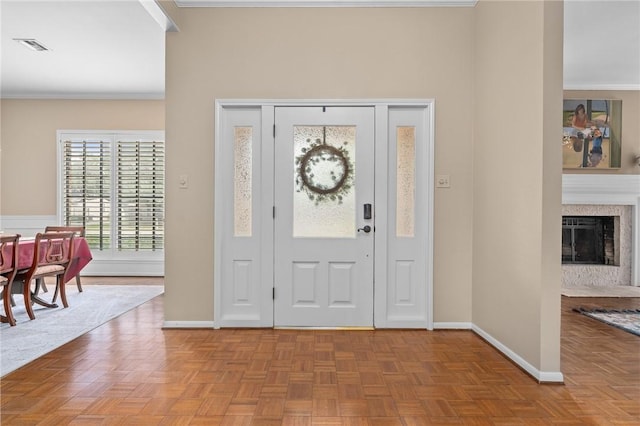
x=83 y=96
x=159 y=15
x=326 y=3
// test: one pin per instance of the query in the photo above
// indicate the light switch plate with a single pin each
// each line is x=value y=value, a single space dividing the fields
x=442 y=181
x=183 y=181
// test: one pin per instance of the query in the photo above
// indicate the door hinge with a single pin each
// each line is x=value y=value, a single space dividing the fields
x=273 y=293
x=274 y=130
x=274 y=212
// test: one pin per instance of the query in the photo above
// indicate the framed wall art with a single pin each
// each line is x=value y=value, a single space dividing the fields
x=591 y=133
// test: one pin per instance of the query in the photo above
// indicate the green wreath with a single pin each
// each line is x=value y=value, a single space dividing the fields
x=324 y=172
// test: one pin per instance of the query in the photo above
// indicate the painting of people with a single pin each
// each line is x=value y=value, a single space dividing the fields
x=591 y=133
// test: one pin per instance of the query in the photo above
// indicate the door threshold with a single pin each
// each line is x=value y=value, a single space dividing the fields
x=351 y=328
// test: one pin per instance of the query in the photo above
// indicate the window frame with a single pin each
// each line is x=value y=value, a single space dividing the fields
x=111 y=254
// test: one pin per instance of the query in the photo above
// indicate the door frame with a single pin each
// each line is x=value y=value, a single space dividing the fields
x=382 y=107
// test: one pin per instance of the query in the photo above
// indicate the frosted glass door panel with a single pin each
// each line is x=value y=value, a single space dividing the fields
x=406 y=181
x=242 y=181
x=324 y=201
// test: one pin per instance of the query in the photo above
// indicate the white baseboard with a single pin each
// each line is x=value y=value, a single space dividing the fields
x=452 y=325
x=187 y=324
x=541 y=376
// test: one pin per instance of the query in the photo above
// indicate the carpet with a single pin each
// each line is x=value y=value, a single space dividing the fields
x=625 y=319
x=52 y=328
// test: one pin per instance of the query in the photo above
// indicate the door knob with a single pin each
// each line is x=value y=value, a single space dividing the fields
x=366 y=229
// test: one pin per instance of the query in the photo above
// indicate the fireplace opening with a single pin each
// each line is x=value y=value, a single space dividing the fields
x=588 y=240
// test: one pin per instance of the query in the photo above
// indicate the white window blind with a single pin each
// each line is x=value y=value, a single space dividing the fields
x=87 y=189
x=114 y=187
x=140 y=195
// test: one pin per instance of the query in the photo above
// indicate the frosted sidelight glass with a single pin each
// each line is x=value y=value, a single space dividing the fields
x=324 y=197
x=243 y=137
x=406 y=181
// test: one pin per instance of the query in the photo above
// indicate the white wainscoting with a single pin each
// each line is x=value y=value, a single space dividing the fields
x=103 y=264
x=26 y=226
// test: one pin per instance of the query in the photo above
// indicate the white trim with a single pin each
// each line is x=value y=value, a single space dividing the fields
x=600 y=189
x=218 y=213
x=541 y=376
x=158 y=14
x=431 y=209
x=125 y=268
x=380 y=235
x=609 y=190
x=326 y=3
x=452 y=325
x=187 y=324
x=26 y=226
x=267 y=236
x=401 y=102
x=133 y=96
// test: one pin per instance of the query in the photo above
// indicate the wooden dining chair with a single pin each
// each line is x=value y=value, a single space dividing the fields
x=79 y=231
x=52 y=254
x=8 y=270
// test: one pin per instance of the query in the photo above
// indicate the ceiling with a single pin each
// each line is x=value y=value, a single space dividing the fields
x=99 y=49
x=115 y=48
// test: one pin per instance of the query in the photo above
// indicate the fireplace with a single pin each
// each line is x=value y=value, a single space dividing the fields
x=589 y=240
x=604 y=195
x=596 y=245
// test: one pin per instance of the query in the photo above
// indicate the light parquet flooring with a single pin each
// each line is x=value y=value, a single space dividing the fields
x=131 y=372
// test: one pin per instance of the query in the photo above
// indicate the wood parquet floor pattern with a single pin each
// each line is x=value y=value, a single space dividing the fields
x=132 y=372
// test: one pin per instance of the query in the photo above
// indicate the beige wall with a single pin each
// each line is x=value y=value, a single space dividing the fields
x=496 y=57
x=306 y=53
x=630 y=127
x=517 y=177
x=28 y=169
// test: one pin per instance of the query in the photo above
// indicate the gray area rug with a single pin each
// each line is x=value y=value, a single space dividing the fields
x=52 y=328
x=624 y=319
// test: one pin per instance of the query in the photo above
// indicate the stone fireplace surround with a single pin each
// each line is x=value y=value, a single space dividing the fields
x=605 y=195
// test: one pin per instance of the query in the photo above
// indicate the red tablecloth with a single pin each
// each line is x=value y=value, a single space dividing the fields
x=81 y=256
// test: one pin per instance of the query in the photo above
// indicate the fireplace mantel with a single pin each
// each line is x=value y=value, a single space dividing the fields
x=597 y=189
x=601 y=189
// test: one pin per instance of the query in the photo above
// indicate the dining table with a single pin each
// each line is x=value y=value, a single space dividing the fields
x=81 y=258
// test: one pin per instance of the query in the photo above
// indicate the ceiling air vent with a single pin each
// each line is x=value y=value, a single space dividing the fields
x=32 y=44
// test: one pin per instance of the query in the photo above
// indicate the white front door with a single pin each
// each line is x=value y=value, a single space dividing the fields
x=291 y=248
x=324 y=218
